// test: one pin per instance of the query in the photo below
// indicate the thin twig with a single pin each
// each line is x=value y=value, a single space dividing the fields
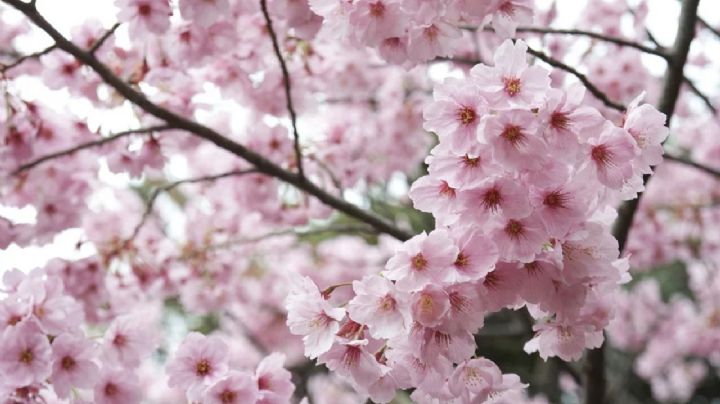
x=174 y=120
x=705 y=99
x=103 y=38
x=21 y=59
x=600 y=95
x=288 y=86
x=709 y=27
x=87 y=145
x=657 y=51
x=169 y=187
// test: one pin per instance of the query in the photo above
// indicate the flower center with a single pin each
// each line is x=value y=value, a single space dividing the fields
x=377 y=9
x=556 y=199
x=144 y=9
x=512 y=85
x=559 y=120
x=513 y=135
x=491 y=198
x=110 y=389
x=471 y=162
x=514 y=229
x=418 y=262
x=26 y=356
x=67 y=363
x=203 y=368
x=466 y=115
x=462 y=260
x=387 y=303
x=601 y=155
x=227 y=396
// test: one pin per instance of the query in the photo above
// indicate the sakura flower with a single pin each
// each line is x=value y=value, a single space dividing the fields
x=434 y=39
x=461 y=169
x=564 y=118
x=476 y=257
x=510 y=14
x=466 y=312
x=496 y=195
x=378 y=306
x=647 y=127
x=455 y=113
x=352 y=361
x=514 y=138
x=235 y=388
x=72 y=364
x=560 y=207
x=430 y=305
x=511 y=83
x=374 y=21
x=145 y=15
x=421 y=260
x=24 y=355
x=203 y=12
x=273 y=381
x=520 y=239
x=311 y=316
x=610 y=156
x=567 y=341
x=478 y=379
x=199 y=361
x=432 y=194
x=117 y=386
x=129 y=339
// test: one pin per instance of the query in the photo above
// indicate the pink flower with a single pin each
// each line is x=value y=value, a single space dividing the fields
x=430 y=305
x=564 y=118
x=311 y=316
x=647 y=127
x=72 y=364
x=510 y=14
x=514 y=138
x=510 y=83
x=433 y=194
x=273 y=380
x=421 y=260
x=466 y=312
x=476 y=256
x=352 y=361
x=497 y=195
x=561 y=207
x=235 y=388
x=434 y=39
x=567 y=341
x=199 y=361
x=373 y=21
x=145 y=15
x=610 y=156
x=129 y=339
x=203 y=12
x=520 y=239
x=455 y=113
x=464 y=169
x=475 y=380
x=24 y=355
x=378 y=306
x=117 y=386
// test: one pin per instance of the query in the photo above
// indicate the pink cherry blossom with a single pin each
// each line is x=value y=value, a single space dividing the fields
x=72 y=364
x=379 y=306
x=199 y=360
x=117 y=386
x=235 y=388
x=25 y=355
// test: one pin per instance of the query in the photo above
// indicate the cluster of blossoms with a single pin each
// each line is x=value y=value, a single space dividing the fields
x=201 y=368
x=521 y=186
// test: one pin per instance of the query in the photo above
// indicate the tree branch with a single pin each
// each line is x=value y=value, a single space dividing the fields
x=103 y=38
x=600 y=95
x=87 y=145
x=288 y=86
x=174 y=120
x=657 y=51
x=22 y=59
x=691 y=163
x=169 y=187
x=595 y=365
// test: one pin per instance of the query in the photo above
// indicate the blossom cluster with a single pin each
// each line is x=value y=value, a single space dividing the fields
x=521 y=185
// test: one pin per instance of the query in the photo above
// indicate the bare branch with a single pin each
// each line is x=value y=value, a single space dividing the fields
x=22 y=59
x=709 y=27
x=103 y=38
x=87 y=145
x=174 y=120
x=657 y=51
x=705 y=99
x=169 y=187
x=580 y=76
x=691 y=163
x=595 y=366
x=288 y=86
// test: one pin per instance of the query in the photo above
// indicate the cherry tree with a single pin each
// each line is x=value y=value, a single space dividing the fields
x=324 y=201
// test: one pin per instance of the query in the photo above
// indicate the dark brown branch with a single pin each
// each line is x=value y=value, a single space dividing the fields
x=595 y=365
x=691 y=163
x=22 y=59
x=288 y=86
x=600 y=95
x=174 y=120
x=87 y=145
x=657 y=51
x=104 y=38
x=169 y=187
x=709 y=27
